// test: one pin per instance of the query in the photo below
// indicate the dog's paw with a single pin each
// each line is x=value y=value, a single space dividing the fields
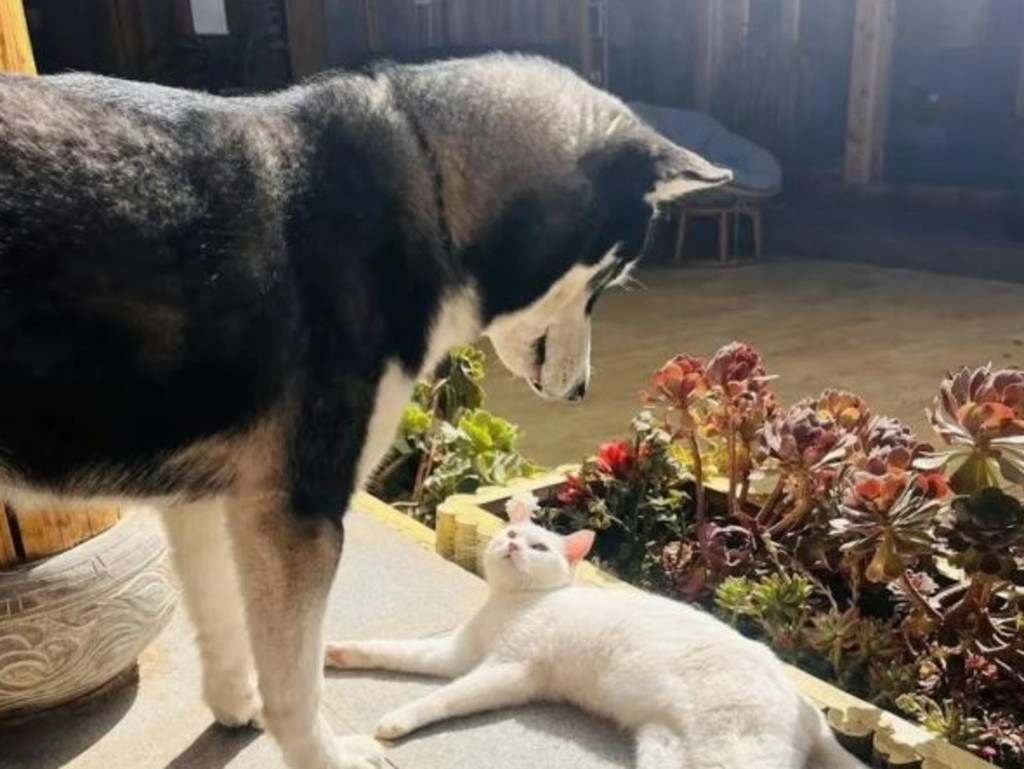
x=396 y=724
x=359 y=752
x=235 y=703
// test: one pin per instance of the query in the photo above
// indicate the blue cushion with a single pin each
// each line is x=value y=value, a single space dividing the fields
x=756 y=171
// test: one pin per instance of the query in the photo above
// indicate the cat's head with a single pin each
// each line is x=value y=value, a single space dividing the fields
x=527 y=557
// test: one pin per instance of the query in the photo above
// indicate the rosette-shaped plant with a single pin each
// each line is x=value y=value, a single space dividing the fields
x=848 y=410
x=887 y=444
x=888 y=519
x=979 y=414
x=805 y=438
x=737 y=374
x=984 y=532
x=679 y=385
x=805 y=444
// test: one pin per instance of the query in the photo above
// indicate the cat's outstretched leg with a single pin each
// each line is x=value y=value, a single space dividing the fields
x=659 y=748
x=485 y=688
x=444 y=657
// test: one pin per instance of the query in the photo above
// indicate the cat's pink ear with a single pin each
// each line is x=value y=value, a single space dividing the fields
x=520 y=508
x=578 y=545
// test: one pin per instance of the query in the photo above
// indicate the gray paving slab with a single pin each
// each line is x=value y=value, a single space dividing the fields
x=388 y=586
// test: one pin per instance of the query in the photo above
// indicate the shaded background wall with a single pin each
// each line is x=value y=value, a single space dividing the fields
x=956 y=74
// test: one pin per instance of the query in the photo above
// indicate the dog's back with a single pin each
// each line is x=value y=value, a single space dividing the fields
x=136 y=235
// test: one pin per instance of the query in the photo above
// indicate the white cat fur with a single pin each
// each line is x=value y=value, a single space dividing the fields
x=696 y=694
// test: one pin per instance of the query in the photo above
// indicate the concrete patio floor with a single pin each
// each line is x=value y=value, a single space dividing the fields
x=388 y=586
x=888 y=335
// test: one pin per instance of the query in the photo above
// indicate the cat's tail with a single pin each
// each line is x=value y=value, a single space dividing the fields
x=826 y=752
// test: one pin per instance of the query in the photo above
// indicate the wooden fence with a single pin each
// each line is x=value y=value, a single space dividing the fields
x=332 y=33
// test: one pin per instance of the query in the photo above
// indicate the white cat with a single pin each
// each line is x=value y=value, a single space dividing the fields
x=697 y=694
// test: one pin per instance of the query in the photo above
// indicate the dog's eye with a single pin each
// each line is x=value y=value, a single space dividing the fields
x=540 y=546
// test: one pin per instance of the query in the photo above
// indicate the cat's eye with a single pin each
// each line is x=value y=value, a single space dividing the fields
x=539 y=546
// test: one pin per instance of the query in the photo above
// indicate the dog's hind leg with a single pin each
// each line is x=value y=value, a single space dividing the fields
x=287 y=565
x=205 y=564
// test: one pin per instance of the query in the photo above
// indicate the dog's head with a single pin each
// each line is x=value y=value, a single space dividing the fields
x=550 y=185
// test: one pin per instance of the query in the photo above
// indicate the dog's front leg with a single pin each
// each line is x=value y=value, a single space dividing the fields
x=286 y=566
x=205 y=563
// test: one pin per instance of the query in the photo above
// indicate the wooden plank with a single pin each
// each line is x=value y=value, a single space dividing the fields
x=549 y=23
x=306 y=36
x=790 y=20
x=1020 y=80
x=722 y=34
x=15 y=47
x=585 y=49
x=45 y=532
x=870 y=79
x=708 y=22
x=8 y=553
x=371 y=11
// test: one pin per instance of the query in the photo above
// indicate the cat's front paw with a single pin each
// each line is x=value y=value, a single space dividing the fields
x=397 y=724
x=345 y=655
x=359 y=752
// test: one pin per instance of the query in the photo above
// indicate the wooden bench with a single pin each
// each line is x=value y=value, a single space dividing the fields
x=728 y=216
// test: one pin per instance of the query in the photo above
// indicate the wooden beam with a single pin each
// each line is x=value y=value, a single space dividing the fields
x=586 y=50
x=790 y=21
x=15 y=47
x=723 y=27
x=372 y=13
x=1020 y=80
x=306 y=42
x=870 y=80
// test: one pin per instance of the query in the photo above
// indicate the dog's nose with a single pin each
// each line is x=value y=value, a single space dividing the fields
x=578 y=393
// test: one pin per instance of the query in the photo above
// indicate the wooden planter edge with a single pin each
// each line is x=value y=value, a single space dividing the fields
x=465 y=527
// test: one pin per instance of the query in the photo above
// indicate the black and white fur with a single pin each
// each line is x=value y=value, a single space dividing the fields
x=221 y=305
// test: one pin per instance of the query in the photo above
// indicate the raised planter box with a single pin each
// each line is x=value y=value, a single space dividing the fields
x=73 y=622
x=467 y=523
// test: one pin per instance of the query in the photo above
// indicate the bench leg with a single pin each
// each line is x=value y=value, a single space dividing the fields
x=680 y=235
x=723 y=237
x=758 y=222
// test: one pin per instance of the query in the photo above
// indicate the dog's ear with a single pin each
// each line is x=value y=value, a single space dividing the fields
x=679 y=172
x=653 y=169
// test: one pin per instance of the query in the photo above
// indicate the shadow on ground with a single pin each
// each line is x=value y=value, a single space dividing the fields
x=29 y=743
x=586 y=731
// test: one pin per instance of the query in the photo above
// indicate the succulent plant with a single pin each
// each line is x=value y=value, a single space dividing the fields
x=984 y=531
x=979 y=414
x=679 y=384
x=804 y=438
x=888 y=519
x=848 y=410
x=737 y=373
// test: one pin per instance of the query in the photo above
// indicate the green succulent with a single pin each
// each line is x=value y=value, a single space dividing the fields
x=984 y=531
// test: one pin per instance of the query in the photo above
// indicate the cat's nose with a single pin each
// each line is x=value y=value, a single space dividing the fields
x=513 y=547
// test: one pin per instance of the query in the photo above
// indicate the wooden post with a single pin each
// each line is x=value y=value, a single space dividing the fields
x=870 y=79
x=15 y=47
x=372 y=25
x=306 y=43
x=790 y=21
x=723 y=33
x=1020 y=80
x=708 y=23
x=586 y=51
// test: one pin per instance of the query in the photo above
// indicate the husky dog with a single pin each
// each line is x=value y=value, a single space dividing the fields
x=221 y=306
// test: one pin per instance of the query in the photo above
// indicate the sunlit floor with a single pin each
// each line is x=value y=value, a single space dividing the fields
x=888 y=335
